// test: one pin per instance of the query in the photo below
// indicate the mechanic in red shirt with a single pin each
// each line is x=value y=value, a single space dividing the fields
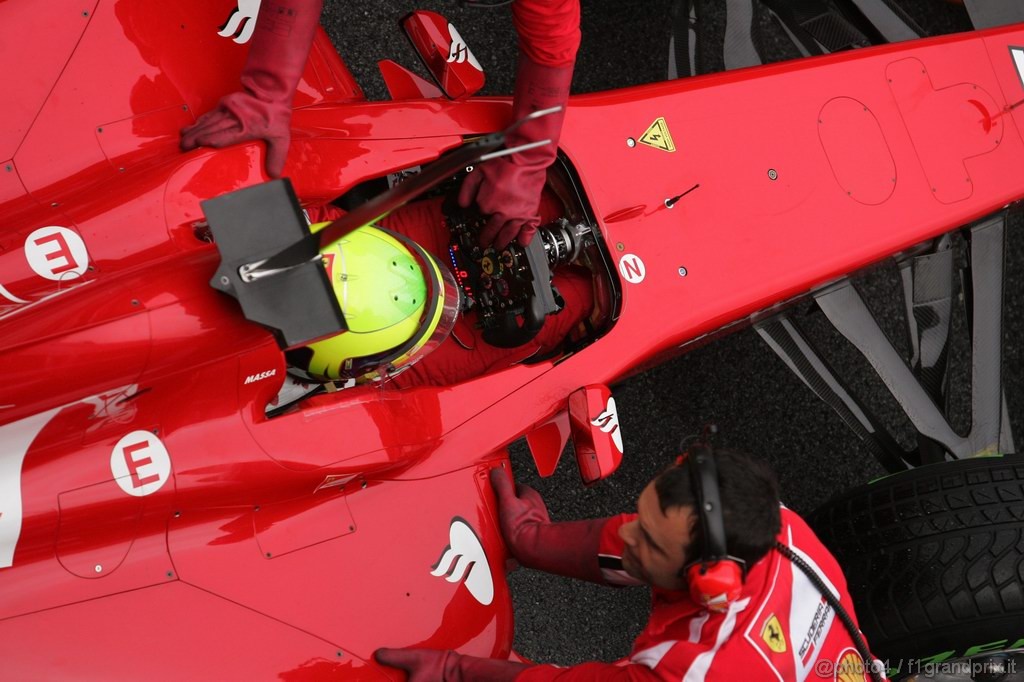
x=508 y=189
x=748 y=613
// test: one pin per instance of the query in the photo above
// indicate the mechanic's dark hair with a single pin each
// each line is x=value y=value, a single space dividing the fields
x=750 y=503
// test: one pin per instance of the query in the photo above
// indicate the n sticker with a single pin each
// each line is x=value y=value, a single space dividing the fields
x=772 y=635
x=657 y=136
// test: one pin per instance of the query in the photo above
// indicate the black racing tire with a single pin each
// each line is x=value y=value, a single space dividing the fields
x=934 y=558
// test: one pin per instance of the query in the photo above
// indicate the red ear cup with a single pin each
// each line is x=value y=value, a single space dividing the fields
x=718 y=584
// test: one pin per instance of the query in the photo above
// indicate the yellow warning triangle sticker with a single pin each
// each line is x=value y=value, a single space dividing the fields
x=657 y=136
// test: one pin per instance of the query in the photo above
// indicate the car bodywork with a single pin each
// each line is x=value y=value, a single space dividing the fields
x=148 y=499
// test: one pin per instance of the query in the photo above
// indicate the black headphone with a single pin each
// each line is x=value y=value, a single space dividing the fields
x=716 y=579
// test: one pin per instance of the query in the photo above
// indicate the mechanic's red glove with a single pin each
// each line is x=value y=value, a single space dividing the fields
x=263 y=110
x=431 y=665
x=569 y=548
x=508 y=189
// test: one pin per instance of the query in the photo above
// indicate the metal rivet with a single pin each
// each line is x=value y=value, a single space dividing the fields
x=339 y=654
x=620 y=246
x=135 y=301
x=269 y=555
x=224 y=280
x=669 y=204
x=54 y=204
x=85 y=14
x=365 y=484
x=682 y=271
x=98 y=569
x=177 y=514
x=156 y=432
x=90 y=268
x=630 y=142
x=256 y=508
x=773 y=174
x=170 y=574
x=9 y=168
x=351 y=529
x=184 y=107
x=99 y=130
x=121 y=169
x=469 y=169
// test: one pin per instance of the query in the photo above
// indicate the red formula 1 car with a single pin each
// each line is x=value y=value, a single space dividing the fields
x=169 y=507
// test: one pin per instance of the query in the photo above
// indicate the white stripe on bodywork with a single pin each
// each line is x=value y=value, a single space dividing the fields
x=1018 y=61
x=15 y=440
x=702 y=663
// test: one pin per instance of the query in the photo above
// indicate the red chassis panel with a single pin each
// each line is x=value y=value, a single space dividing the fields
x=144 y=492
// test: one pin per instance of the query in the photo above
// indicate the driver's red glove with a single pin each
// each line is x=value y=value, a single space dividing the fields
x=507 y=189
x=262 y=111
x=569 y=548
x=430 y=665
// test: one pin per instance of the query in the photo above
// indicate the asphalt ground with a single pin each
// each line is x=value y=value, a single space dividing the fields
x=735 y=381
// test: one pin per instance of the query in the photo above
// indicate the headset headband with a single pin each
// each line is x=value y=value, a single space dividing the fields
x=704 y=482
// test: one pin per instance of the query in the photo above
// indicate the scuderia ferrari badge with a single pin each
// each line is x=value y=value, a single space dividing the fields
x=657 y=136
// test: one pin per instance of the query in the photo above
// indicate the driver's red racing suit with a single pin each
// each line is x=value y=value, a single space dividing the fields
x=780 y=629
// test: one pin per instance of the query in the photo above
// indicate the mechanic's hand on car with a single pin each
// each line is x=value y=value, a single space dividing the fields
x=509 y=195
x=568 y=548
x=507 y=189
x=263 y=109
x=521 y=512
x=430 y=665
x=240 y=117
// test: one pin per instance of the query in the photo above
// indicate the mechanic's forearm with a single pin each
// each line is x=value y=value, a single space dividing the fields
x=568 y=549
x=549 y=30
x=279 y=48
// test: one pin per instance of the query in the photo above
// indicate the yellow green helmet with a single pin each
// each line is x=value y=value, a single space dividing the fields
x=399 y=304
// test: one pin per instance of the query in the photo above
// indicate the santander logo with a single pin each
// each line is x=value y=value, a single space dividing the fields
x=464 y=560
x=608 y=422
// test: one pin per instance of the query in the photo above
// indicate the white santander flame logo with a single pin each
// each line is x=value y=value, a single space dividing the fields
x=464 y=558
x=246 y=13
x=459 y=51
x=608 y=422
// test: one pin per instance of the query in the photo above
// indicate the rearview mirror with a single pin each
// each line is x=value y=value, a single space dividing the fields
x=444 y=53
